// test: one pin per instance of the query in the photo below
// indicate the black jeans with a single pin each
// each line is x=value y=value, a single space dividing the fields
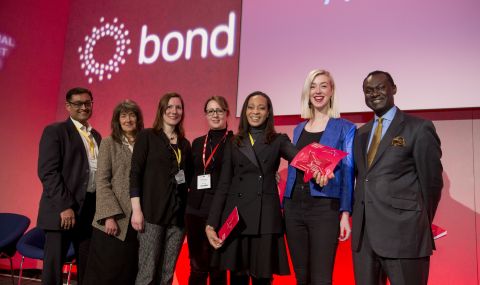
x=313 y=226
x=200 y=253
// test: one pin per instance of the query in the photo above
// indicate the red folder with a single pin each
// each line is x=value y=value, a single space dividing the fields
x=229 y=224
x=316 y=157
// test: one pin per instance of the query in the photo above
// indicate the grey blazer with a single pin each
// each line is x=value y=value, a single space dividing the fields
x=112 y=182
x=397 y=196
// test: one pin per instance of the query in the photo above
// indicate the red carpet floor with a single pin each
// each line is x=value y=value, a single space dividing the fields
x=343 y=273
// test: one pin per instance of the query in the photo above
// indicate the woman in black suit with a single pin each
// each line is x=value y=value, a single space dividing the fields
x=159 y=178
x=255 y=249
x=207 y=152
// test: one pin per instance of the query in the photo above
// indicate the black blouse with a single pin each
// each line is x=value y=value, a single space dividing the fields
x=152 y=177
x=305 y=139
x=199 y=200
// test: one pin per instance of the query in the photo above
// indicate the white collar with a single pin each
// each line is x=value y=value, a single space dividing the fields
x=79 y=125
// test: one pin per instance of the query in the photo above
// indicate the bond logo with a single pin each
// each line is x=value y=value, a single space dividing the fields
x=99 y=60
x=101 y=70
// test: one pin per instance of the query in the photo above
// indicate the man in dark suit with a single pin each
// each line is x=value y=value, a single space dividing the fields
x=398 y=187
x=67 y=163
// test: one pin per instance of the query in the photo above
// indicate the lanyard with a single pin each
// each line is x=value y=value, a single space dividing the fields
x=91 y=144
x=206 y=163
x=251 y=139
x=178 y=154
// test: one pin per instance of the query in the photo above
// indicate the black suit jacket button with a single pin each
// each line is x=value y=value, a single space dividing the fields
x=240 y=195
x=259 y=194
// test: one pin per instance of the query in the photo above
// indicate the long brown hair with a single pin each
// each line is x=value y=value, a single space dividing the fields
x=244 y=126
x=162 y=108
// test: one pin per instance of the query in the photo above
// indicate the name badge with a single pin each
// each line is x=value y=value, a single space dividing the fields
x=180 y=177
x=203 y=181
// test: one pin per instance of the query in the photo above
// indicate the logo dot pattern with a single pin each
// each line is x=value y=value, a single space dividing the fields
x=104 y=70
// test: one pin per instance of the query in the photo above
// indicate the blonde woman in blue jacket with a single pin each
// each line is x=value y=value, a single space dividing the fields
x=317 y=215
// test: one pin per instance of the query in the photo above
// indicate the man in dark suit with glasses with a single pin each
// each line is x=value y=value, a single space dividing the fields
x=67 y=163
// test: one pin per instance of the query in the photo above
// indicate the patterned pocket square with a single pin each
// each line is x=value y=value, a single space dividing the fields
x=398 y=141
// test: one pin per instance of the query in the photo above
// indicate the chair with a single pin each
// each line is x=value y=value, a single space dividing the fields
x=12 y=227
x=31 y=245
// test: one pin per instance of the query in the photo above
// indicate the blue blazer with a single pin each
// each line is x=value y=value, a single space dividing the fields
x=338 y=134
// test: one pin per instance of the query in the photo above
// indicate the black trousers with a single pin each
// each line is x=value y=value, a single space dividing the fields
x=313 y=226
x=57 y=243
x=372 y=269
x=236 y=279
x=200 y=253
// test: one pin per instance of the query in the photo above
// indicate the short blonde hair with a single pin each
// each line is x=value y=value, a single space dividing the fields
x=307 y=110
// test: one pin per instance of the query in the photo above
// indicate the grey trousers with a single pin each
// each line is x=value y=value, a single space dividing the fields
x=372 y=269
x=159 y=247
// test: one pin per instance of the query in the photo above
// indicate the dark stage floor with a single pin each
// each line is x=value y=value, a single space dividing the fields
x=30 y=277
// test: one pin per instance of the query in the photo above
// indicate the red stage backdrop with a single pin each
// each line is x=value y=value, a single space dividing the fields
x=141 y=50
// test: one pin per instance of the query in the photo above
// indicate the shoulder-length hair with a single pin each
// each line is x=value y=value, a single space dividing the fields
x=307 y=111
x=244 y=126
x=162 y=108
x=125 y=107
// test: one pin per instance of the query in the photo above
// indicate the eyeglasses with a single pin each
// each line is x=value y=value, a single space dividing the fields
x=79 y=104
x=211 y=112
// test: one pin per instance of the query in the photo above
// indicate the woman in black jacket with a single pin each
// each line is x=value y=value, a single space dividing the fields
x=255 y=249
x=159 y=179
x=207 y=152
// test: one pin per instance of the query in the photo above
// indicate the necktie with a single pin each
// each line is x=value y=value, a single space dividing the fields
x=377 y=136
x=91 y=144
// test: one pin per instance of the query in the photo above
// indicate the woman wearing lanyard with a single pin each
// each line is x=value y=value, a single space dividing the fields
x=207 y=152
x=114 y=246
x=161 y=171
x=317 y=215
x=255 y=248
